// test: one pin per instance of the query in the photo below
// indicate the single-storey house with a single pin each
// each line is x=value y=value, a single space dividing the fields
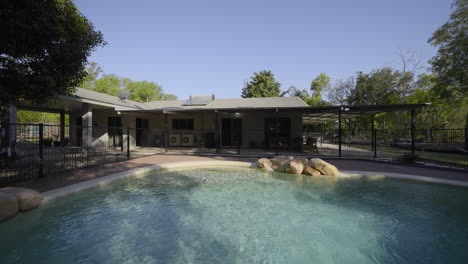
x=202 y=121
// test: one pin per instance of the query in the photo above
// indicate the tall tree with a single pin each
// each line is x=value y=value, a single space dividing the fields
x=377 y=87
x=145 y=91
x=44 y=49
x=262 y=84
x=110 y=84
x=93 y=71
x=340 y=93
x=169 y=97
x=295 y=92
x=450 y=64
x=319 y=84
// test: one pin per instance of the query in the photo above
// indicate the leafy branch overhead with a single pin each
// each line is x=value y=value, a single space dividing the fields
x=44 y=49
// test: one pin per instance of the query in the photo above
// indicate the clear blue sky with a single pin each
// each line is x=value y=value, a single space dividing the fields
x=204 y=47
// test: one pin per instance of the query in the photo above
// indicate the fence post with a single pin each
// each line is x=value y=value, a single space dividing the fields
x=276 y=133
x=375 y=143
x=41 y=150
x=218 y=136
x=238 y=144
x=62 y=128
x=412 y=131
x=166 y=136
x=373 y=131
x=339 y=132
x=128 y=143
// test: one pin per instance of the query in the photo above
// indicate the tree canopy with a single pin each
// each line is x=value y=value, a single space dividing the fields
x=145 y=91
x=450 y=64
x=44 y=49
x=112 y=84
x=262 y=84
x=377 y=87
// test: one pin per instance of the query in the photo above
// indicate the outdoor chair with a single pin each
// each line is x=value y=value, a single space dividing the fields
x=312 y=141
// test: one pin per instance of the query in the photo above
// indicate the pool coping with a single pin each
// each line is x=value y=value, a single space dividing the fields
x=141 y=172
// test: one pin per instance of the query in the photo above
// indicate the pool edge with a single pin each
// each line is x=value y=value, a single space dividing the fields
x=402 y=176
x=78 y=187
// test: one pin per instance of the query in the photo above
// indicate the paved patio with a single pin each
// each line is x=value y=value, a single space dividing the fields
x=61 y=180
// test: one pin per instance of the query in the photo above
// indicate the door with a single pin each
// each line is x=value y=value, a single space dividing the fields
x=231 y=132
x=114 y=131
x=277 y=133
x=141 y=132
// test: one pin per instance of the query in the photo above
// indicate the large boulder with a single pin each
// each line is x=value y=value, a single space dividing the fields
x=304 y=161
x=264 y=163
x=279 y=163
x=325 y=168
x=8 y=206
x=310 y=171
x=27 y=198
x=295 y=167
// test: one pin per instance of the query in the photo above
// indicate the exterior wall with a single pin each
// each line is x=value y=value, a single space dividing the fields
x=253 y=124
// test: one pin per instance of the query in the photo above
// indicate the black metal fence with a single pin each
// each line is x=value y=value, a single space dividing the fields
x=438 y=146
x=38 y=150
x=32 y=151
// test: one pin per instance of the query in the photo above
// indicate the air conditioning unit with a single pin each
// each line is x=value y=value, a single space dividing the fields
x=187 y=140
x=174 y=140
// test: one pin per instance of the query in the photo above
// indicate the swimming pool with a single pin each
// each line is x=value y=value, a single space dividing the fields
x=227 y=215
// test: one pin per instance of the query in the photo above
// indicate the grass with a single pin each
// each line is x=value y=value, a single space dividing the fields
x=438 y=157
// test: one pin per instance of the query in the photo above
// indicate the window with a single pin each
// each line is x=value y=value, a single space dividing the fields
x=182 y=124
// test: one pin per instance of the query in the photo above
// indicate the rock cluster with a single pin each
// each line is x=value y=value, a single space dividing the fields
x=312 y=167
x=14 y=200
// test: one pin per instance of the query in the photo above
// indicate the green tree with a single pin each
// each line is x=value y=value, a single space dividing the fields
x=262 y=84
x=450 y=64
x=145 y=91
x=112 y=84
x=34 y=117
x=44 y=49
x=93 y=71
x=340 y=93
x=319 y=84
x=109 y=84
x=295 y=92
x=380 y=86
x=169 y=97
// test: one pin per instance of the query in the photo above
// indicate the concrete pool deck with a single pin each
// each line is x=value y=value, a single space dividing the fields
x=58 y=181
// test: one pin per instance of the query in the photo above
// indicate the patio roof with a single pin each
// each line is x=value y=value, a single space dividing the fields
x=317 y=115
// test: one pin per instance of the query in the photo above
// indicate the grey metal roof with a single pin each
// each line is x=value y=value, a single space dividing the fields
x=105 y=98
x=199 y=100
x=310 y=114
x=237 y=103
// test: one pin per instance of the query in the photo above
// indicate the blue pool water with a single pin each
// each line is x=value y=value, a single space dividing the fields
x=244 y=216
